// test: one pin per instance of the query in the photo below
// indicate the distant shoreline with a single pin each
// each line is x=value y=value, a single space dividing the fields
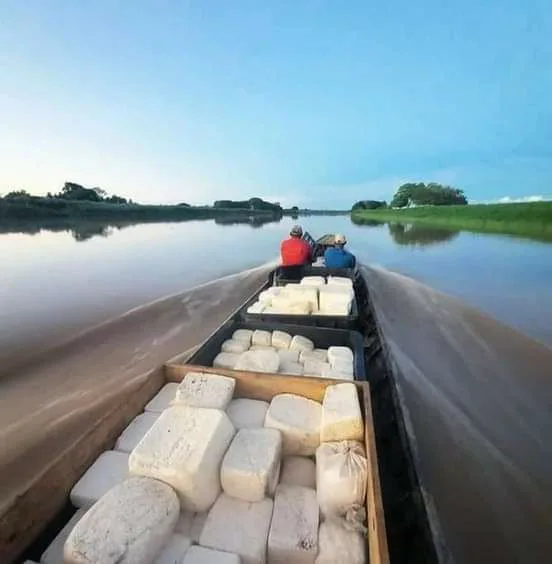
x=532 y=220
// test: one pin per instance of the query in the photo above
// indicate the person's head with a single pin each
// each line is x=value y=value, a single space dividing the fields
x=296 y=231
x=339 y=240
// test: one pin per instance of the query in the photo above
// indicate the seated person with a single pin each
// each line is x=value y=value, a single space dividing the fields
x=295 y=251
x=337 y=256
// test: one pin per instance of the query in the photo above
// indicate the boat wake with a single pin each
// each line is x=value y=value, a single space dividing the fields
x=477 y=403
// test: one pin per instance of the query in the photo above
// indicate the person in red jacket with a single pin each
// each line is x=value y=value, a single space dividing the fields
x=295 y=250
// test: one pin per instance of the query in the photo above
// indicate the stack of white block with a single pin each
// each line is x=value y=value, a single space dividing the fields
x=206 y=471
x=313 y=295
x=278 y=351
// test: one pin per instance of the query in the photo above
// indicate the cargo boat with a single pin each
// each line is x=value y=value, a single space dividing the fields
x=399 y=527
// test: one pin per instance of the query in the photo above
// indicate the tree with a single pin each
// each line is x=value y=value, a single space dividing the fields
x=432 y=194
x=369 y=205
x=17 y=194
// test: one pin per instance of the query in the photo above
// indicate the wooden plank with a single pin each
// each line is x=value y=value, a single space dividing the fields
x=30 y=512
x=263 y=386
x=377 y=535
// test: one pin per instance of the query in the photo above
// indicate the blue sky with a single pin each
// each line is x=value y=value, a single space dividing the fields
x=305 y=102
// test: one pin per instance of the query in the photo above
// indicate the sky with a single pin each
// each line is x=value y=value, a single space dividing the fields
x=318 y=103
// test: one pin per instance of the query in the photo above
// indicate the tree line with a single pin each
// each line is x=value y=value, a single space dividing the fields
x=75 y=192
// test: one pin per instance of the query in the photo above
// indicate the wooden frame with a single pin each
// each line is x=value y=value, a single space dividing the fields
x=263 y=386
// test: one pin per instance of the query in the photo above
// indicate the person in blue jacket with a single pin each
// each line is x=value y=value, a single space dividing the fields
x=337 y=256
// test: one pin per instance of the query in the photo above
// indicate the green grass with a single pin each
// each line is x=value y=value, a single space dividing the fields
x=531 y=220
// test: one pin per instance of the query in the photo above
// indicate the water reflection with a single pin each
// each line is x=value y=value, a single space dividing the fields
x=254 y=221
x=419 y=235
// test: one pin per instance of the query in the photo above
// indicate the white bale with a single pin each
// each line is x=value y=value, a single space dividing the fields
x=298 y=471
x=247 y=413
x=257 y=308
x=300 y=293
x=340 y=281
x=315 y=281
x=293 y=536
x=288 y=355
x=261 y=337
x=162 y=400
x=297 y=304
x=251 y=465
x=226 y=360
x=298 y=419
x=205 y=390
x=341 y=414
x=244 y=335
x=330 y=372
x=184 y=448
x=281 y=340
x=313 y=367
x=292 y=368
x=300 y=344
x=343 y=365
x=259 y=361
x=137 y=428
x=341 y=476
x=337 y=542
x=342 y=353
x=202 y=555
x=130 y=523
x=240 y=527
x=234 y=346
x=108 y=470
x=262 y=348
x=173 y=552
x=54 y=553
x=315 y=354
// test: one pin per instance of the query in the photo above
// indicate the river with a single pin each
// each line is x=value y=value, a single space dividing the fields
x=59 y=280
x=477 y=395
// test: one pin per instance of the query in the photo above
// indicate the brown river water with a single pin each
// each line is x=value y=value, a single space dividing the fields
x=477 y=391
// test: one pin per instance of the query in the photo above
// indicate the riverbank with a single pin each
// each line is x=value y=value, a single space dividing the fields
x=532 y=220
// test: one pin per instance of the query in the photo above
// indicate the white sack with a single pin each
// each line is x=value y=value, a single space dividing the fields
x=341 y=475
x=339 y=543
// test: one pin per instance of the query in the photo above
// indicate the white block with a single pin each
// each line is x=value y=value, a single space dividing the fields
x=289 y=356
x=300 y=343
x=54 y=553
x=340 y=281
x=313 y=367
x=240 y=527
x=343 y=365
x=226 y=360
x=261 y=337
x=341 y=414
x=336 y=543
x=330 y=372
x=184 y=448
x=262 y=348
x=341 y=476
x=298 y=471
x=343 y=353
x=202 y=555
x=298 y=419
x=315 y=354
x=300 y=293
x=234 y=346
x=163 y=398
x=131 y=523
x=197 y=525
x=251 y=466
x=293 y=536
x=247 y=413
x=259 y=361
x=296 y=303
x=173 y=552
x=137 y=428
x=257 y=307
x=205 y=390
x=315 y=281
x=292 y=368
x=244 y=335
x=184 y=523
x=108 y=470
x=281 y=340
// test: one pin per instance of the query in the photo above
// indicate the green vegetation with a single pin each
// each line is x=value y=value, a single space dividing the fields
x=432 y=194
x=532 y=220
x=369 y=205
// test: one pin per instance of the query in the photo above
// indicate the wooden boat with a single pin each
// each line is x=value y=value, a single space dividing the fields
x=398 y=524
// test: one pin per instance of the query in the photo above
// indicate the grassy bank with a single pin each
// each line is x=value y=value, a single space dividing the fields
x=532 y=220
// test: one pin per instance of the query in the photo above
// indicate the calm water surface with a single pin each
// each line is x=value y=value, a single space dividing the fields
x=54 y=283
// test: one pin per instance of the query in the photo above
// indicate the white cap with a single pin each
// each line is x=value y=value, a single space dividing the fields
x=339 y=239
